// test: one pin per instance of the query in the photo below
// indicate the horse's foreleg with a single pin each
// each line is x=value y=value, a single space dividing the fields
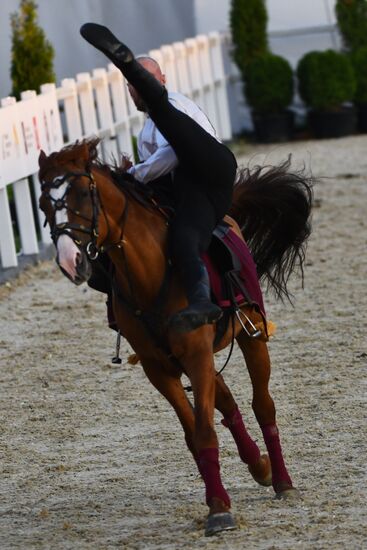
x=258 y=364
x=195 y=355
x=248 y=450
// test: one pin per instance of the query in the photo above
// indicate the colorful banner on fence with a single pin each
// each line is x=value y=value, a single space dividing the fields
x=26 y=127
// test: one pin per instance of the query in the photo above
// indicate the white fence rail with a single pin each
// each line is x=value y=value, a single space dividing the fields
x=99 y=105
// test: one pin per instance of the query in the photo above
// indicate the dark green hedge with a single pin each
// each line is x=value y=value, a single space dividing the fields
x=32 y=55
x=359 y=62
x=248 y=21
x=352 y=22
x=326 y=80
x=269 y=84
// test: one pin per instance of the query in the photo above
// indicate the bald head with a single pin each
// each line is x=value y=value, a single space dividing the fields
x=154 y=69
x=150 y=65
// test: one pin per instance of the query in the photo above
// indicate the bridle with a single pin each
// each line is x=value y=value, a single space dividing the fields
x=67 y=228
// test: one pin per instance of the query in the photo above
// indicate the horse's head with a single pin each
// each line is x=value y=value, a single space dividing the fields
x=70 y=202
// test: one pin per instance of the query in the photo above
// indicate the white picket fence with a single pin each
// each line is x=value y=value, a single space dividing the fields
x=98 y=105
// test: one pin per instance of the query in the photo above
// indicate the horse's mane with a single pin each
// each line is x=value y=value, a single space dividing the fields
x=77 y=150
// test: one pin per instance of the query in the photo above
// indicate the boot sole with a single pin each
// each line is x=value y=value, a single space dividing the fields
x=185 y=323
x=102 y=38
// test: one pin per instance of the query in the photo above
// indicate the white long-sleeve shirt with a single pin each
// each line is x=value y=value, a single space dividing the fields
x=157 y=156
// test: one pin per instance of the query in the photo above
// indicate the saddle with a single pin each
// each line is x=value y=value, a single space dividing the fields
x=233 y=280
x=232 y=270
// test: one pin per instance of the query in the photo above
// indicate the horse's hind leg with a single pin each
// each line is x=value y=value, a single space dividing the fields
x=258 y=465
x=258 y=364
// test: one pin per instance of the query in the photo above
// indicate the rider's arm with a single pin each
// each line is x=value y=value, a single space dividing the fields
x=160 y=163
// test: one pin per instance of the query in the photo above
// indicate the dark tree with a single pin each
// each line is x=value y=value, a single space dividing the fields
x=32 y=54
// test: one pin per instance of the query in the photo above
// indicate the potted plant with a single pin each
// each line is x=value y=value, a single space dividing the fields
x=32 y=54
x=326 y=84
x=248 y=21
x=351 y=16
x=269 y=92
x=359 y=61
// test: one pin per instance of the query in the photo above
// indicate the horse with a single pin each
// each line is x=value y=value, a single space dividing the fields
x=90 y=211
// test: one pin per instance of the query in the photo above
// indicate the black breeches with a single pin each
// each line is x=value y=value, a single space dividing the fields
x=205 y=162
x=190 y=233
x=193 y=223
x=202 y=184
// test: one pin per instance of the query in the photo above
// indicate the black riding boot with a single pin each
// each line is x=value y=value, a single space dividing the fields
x=146 y=84
x=201 y=310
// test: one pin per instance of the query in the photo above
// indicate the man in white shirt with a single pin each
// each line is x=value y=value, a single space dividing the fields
x=155 y=153
x=181 y=155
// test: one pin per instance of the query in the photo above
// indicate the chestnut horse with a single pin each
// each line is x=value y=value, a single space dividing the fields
x=89 y=212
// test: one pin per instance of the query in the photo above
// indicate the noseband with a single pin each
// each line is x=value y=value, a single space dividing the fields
x=67 y=228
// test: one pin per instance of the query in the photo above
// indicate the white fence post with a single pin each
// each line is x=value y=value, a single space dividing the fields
x=68 y=93
x=86 y=99
x=26 y=223
x=170 y=68
x=220 y=85
x=121 y=115
x=54 y=140
x=104 y=108
x=22 y=195
x=207 y=81
x=184 y=84
x=195 y=72
x=8 y=253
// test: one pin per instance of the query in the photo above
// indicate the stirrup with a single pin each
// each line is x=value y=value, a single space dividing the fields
x=247 y=325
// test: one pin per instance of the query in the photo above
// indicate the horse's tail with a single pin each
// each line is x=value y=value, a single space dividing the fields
x=272 y=206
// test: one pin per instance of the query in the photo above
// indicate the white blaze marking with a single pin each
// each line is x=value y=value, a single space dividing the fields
x=67 y=250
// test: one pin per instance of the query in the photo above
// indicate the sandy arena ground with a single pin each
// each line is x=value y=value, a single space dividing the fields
x=92 y=457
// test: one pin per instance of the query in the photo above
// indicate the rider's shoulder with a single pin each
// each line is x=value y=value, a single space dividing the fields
x=181 y=101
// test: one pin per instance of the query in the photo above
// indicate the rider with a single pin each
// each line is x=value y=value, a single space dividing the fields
x=180 y=151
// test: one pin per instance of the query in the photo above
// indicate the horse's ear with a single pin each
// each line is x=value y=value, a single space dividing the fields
x=85 y=151
x=42 y=157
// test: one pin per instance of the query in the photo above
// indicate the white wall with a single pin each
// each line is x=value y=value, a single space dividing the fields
x=283 y=14
x=211 y=15
x=293 y=14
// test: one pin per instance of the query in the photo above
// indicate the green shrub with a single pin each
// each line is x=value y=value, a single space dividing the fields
x=326 y=80
x=352 y=22
x=248 y=21
x=359 y=62
x=32 y=55
x=269 y=84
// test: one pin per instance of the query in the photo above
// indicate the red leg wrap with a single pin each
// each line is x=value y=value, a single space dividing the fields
x=247 y=448
x=208 y=460
x=272 y=442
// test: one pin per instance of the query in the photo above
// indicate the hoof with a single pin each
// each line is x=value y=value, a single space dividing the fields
x=261 y=471
x=290 y=494
x=216 y=523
